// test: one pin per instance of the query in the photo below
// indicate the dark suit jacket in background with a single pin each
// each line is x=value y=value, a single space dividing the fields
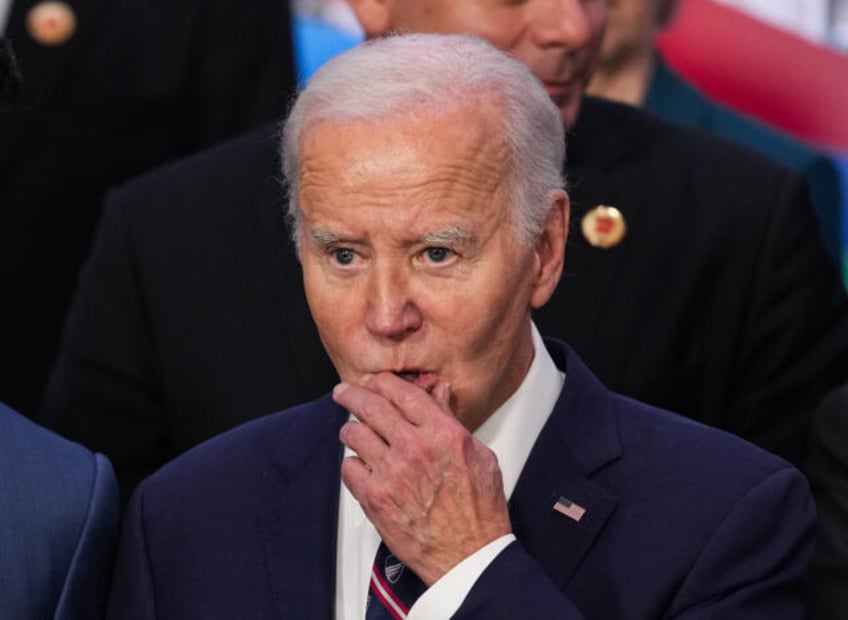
x=58 y=524
x=670 y=97
x=141 y=82
x=681 y=521
x=828 y=473
x=721 y=302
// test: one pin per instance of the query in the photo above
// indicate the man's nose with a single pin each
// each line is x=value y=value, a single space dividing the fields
x=560 y=23
x=392 y=312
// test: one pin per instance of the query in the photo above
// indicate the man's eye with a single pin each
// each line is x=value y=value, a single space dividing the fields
x=438 y=255
x=344 y=256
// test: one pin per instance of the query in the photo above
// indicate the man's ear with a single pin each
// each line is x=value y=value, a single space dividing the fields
x=373 y=16
x=550 y=249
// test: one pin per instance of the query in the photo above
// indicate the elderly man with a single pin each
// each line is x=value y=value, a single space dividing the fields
x=708 y=291
x=430 y=220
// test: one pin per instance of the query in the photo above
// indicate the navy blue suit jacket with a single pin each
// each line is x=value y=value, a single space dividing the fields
x=681 y=521
x=58 y=524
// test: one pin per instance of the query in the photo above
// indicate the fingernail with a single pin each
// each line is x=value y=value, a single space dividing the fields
x=340 y=389
x=365 y=379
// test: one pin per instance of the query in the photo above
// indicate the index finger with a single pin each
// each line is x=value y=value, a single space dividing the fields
x=417 y=401
x=372 y=409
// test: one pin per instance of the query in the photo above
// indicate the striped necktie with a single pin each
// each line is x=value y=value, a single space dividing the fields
x=394 y=588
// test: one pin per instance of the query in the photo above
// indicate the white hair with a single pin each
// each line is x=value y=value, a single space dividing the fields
x=391 y=77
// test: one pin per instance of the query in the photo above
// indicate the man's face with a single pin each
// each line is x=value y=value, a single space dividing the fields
x=410 y=261
x=558 y=39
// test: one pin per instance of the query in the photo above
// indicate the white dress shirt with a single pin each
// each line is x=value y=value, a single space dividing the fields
x=5 y=9
x=510 y=433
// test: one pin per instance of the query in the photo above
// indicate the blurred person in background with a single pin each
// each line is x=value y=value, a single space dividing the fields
x=59 y=504
x=111 y=88
x=631 y=70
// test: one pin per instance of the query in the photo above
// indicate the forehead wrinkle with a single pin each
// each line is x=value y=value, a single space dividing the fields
x=482 y=175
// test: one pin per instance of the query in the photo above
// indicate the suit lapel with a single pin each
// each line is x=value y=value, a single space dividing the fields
x=597 y=147
x=298 y=522
x=580 y=437
x=299 y=519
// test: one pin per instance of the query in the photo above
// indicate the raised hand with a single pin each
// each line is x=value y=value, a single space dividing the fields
x=432 y=490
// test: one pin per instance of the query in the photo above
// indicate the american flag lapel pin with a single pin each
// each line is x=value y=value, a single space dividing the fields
x=568 y=508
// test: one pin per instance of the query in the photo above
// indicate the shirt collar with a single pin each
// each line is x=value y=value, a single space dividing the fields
x=512 y=430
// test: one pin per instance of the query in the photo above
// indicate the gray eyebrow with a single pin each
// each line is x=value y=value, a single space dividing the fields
x=448 y=237
x=324 y=237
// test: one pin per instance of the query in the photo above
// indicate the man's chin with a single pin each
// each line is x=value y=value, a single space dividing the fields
x=569 y=111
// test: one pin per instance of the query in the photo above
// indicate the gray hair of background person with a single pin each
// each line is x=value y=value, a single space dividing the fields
x=398 y=76
x=10 y=78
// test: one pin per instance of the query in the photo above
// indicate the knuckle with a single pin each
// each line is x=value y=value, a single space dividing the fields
x=455 y=436
x=368 y=409
x=378 y=497
x=414 y=448
x=411 y=396
x=415 y=453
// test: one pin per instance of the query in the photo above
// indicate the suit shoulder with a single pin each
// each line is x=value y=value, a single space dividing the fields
x=60 y=503
x=674 y=447
x=645 y=444
x=678 y=145
x=245 y=450
x=232 y=193
x=248 y=160
x=43 y=457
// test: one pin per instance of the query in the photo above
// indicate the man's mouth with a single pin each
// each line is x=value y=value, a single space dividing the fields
x=423 y=379
x=559 y=88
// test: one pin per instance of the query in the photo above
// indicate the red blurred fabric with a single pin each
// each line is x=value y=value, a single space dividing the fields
x=771 y=74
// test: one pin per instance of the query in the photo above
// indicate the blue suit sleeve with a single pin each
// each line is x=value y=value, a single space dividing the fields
x=515 y=586
x=755 y=563
x=87 y=581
